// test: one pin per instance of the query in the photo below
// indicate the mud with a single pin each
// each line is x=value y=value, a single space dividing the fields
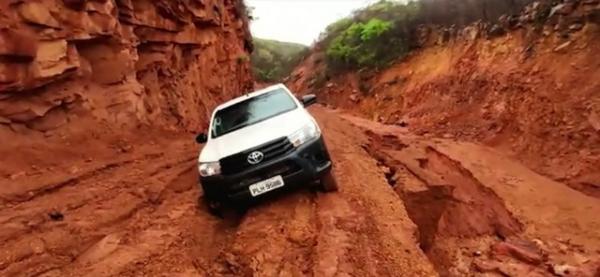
x=407 y=206
x=466 y=227
x=441 y=197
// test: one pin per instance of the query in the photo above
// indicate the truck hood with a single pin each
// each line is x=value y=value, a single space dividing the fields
x=254 y=135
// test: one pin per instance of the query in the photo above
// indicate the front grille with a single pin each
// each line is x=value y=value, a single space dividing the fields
x=271 y=150
x=283 y=169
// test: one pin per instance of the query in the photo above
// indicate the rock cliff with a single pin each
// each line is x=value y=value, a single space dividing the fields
x=125 y=62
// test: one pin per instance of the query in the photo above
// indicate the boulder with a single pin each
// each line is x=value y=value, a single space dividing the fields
x=562 y=270
x=472 y=32
x=496 y=31
x=503 y=19
x=513 y=22
x=37 y=13
x=49 y=58
x=50 y=121
x=18 y=45
x=562 y=9
x=486 y=266
x=520 y=250
x=110 y=62
x=53 y=60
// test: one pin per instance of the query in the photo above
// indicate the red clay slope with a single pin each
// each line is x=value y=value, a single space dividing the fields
x=533 y=95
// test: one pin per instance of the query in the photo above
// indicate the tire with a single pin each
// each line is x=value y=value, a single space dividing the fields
x=214 y=207
x=328 y=182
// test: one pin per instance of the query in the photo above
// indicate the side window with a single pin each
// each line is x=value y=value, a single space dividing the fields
x=216 y=126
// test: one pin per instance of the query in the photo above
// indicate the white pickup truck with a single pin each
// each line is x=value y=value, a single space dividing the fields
x=259 y=143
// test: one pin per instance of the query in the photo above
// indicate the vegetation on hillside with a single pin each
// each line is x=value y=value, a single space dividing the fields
x=386 y=31
x=274 y=60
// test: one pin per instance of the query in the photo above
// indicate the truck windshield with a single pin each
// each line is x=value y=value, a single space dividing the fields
x=252 y=111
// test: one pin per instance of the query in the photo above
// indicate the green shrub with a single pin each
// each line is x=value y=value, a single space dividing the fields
x=373 y=37
x=373 y=29
x=350 y=46
x=369 y=44
x=385 y=31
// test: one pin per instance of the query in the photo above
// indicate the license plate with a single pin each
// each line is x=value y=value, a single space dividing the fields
x=266 y=186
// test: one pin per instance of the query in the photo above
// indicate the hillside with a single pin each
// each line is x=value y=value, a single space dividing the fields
x=525 y=85
x=274 y=60
x=524 y=88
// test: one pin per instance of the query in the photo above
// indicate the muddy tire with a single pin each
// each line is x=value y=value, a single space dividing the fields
x=214 y=207
x=328 y=182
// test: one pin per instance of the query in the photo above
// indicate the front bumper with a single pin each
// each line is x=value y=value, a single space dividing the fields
x=302 y=166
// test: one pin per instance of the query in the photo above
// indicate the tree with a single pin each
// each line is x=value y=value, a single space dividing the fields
x=387 y=30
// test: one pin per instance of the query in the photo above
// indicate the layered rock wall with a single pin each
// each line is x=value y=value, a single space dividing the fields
x=121 y=61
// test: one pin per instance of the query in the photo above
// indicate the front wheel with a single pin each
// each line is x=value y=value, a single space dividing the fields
x=214 y=207
x=328 y=182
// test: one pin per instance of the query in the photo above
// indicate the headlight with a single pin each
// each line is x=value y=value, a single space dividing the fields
x=306 y=133
x=209 y=169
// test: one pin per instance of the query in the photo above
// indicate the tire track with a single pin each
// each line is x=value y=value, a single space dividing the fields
x=113 y=205
x=154 y=232
x=273 y=239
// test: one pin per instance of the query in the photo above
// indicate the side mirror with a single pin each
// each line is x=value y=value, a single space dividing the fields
x=201 y=138
x=309 y=99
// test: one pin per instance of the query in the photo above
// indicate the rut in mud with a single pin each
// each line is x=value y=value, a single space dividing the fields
x=443 y=198
x=95 y=211
x=478 y=212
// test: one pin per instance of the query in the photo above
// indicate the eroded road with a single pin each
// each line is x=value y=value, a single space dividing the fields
x=407 y=206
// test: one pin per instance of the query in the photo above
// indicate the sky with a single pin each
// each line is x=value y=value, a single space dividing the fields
x=299 y=21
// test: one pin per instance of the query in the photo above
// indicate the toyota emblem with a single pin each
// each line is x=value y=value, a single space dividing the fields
x=255 y=157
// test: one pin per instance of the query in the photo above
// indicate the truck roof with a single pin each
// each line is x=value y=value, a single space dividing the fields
x=249 y=95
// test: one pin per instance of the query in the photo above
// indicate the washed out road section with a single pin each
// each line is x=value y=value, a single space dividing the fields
x=403 y=209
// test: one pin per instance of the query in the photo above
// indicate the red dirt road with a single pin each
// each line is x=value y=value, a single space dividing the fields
x=407 y=206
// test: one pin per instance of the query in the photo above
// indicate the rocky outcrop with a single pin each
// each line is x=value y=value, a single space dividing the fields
x=562 y=19
x=122 y=61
